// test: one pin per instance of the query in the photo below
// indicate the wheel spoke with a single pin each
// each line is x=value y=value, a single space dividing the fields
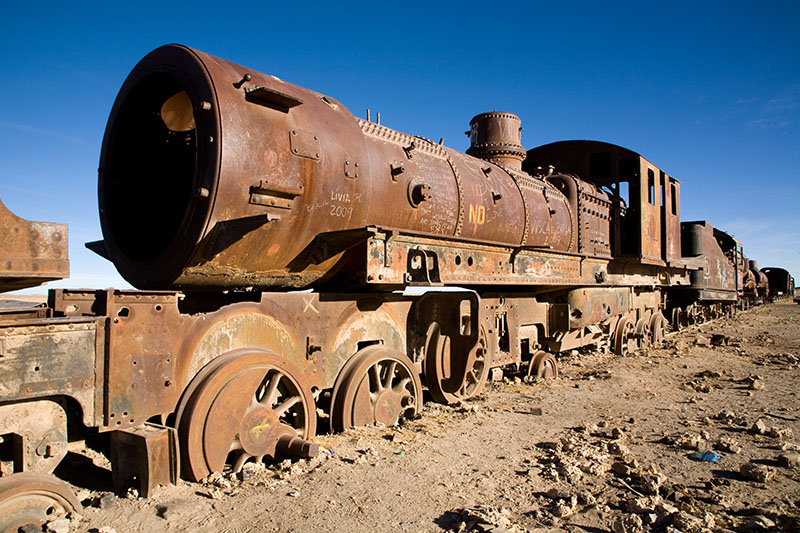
x=400 y=387
x=240 y=461
x=272 y=389
x=285 y=405
x=389 y=375
x=375 y=378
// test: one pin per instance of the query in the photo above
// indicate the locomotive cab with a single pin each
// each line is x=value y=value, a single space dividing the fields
x=643 y=222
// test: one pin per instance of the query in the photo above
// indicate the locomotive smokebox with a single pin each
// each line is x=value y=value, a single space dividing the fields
x=496 y=137
x=214 y=176
x=159 y=166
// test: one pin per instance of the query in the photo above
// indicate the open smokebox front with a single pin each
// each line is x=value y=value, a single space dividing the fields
x=159 y=167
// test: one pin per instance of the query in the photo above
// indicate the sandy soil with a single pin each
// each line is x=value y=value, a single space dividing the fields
x=608 y=446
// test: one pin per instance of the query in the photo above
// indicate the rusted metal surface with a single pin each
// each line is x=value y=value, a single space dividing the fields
x=31 y=253
x=760 y=282
x=56 y=356
x=18 y=310
x=30 y=499
x=318 y=170
x=37 y=431
x=717 y=280
x=143 y=458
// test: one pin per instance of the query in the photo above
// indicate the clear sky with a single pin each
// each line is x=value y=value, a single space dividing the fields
x=708 y=91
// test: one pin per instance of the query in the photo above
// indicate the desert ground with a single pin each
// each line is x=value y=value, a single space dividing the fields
x=613 y=444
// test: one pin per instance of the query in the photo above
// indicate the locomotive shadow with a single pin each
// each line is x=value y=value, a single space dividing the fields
x=80 y=471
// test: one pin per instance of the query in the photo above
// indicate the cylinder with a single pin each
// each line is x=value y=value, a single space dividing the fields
x=215 y=176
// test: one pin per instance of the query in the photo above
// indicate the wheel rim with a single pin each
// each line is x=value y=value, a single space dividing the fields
x=239 y=409
x=643 y=333
x=657 y=329
x=33 y=499
x=543 y=365
x=378 y=385
x=437 y=367
x=623 y=337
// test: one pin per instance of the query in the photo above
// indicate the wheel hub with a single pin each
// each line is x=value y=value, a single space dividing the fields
x=259 y=430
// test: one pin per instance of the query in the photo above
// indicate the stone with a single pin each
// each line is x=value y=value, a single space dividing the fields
x=563 y=509
x=758 y=523
x=684 y=521
x=757 y=472
x=248 y=471
x=719 y=340
x=726 y=416
x=620 y=468
x=628 y=523
x=759 y=427
x=106 y=529
x=641 y=505
x=497 y=374
x=58 y=526
x=107 y=500
x=586 y=498
x=649 y=518
x=789 y=459
x=618 y=448
x=650 y=484
x=30 y=528
x=175 y=509
x=778 y=433
x=702 y=340
x=665 y=513
x=691 y=442
x=559 y=493
x=726 y=444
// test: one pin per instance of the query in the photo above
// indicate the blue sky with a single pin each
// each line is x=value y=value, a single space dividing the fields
x=709 y=91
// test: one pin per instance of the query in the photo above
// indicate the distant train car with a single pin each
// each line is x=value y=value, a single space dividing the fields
x=780 y=283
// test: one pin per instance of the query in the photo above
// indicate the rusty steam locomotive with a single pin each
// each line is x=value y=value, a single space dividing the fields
x=222 y=190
